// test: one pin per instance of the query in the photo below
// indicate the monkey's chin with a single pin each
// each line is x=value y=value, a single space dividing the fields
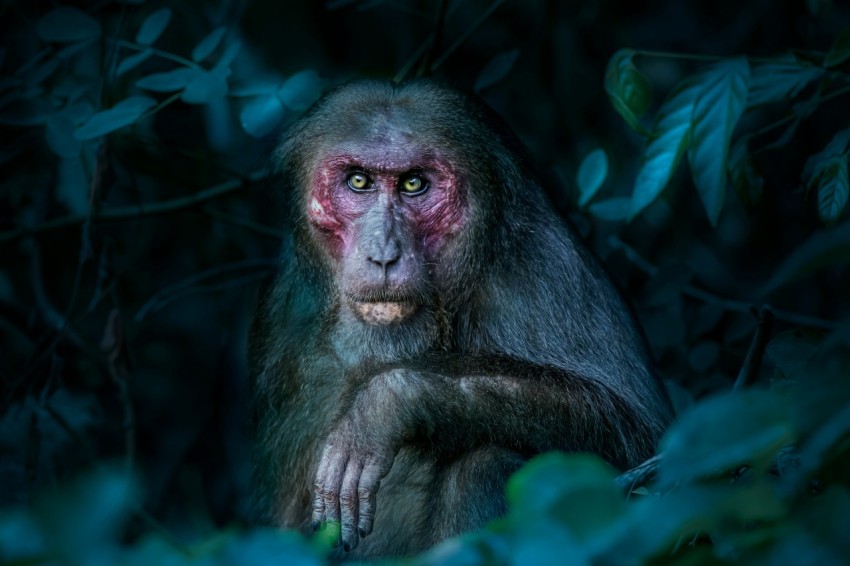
x=383 y=313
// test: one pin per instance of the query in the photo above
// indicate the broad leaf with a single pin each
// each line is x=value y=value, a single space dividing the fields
x=496 y=70
x=826 y=172
x=717 y=110
x=791 y=350
x=66 y=24
x=818 y=162
x=724 y=432
x=206 y=86
x=703 y=356
x=613 y=209
x=629 y=91
x=782 y=80
x=840 y=51
x=833 y=190
x=664 y=150
x=827 y=248
x=255 y=87
x=301 y=90
x=169 y=81
x=59 y=135
x=208 y=44
x=122 y=114
x=153 y=26
x=132 y=61
x=591 y=175
x=261 y=115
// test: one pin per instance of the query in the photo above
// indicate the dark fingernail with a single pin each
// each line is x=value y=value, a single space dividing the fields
x=361 y=532
x=345 y=546
x=316 y=525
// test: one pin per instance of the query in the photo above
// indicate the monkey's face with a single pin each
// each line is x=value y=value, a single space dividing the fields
x=386 y=207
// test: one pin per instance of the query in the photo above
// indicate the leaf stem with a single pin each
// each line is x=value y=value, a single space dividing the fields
x=157 y=52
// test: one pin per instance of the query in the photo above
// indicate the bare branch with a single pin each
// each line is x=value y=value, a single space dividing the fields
x=728 y=304
x=137 y=211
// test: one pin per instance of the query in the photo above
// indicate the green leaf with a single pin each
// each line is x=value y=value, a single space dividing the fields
x=629 y=91
x=791 y=350
x=591 y=175
x=827 y=248
x=208 y=44
x=122 y=114
x=818 y=162
x=613 y=209
x=496 y=70
x=724 y=432
x=833 y=190
x=153 y=26
x=717 y=110
x=301 y=90
x=255 y=87
x=84 y=517
x=169 y=81
x=206 y=86
x=59 y=135
x=261 y=115
x=66 y=25
x=132 y=61
x=840 y=51
x=229 y=55
x=664 y=150
x=746 y=180
x=826 y=171
x=781 y=80
x=703 y=356
x=540 y=484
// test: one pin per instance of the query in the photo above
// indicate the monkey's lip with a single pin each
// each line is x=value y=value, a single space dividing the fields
x=384 y=312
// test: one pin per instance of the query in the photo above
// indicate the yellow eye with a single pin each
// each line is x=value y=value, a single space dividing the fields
x=358 y=181
x=413 y=184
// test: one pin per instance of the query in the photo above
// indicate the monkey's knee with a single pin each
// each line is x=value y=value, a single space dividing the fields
x=471 y=491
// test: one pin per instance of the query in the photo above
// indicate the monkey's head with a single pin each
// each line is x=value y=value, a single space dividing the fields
x=393 y=183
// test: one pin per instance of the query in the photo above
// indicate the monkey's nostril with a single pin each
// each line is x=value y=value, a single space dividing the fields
x=384 y=262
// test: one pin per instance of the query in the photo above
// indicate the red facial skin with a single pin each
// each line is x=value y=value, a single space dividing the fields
x=433 y=216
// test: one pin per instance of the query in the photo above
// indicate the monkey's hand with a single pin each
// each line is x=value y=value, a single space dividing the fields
x=359 y=453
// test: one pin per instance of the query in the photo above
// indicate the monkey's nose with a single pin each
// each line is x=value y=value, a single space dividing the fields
x=385 y=260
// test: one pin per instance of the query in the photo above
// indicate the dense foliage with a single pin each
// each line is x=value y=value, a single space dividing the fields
x=136 y=224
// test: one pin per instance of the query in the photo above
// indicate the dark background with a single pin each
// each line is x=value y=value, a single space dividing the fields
x=124 y=339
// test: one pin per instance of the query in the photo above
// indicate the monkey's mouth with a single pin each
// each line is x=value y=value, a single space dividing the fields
x=383 y=312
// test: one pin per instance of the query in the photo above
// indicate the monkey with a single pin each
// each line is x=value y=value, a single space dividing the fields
x=432 y=325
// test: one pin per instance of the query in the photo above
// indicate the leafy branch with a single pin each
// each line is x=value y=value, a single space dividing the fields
x=699 y=117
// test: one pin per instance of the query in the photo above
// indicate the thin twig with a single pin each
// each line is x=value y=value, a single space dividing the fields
x=411 y=61
x=184 y=287
x=437 y=41
x=722 y=302
x=244 y=223
x=749 y=371
x=466 y=35
x=137 y=211
x=157 y=52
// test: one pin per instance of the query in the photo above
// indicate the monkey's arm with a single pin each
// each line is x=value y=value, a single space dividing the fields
x=455 y=403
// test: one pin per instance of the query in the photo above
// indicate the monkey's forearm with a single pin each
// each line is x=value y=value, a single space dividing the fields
x=520 y=406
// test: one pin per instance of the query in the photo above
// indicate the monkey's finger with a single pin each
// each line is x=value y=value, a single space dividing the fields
x=348 y=505
x=318 y=509
x=327 y=487
x=367 y=492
